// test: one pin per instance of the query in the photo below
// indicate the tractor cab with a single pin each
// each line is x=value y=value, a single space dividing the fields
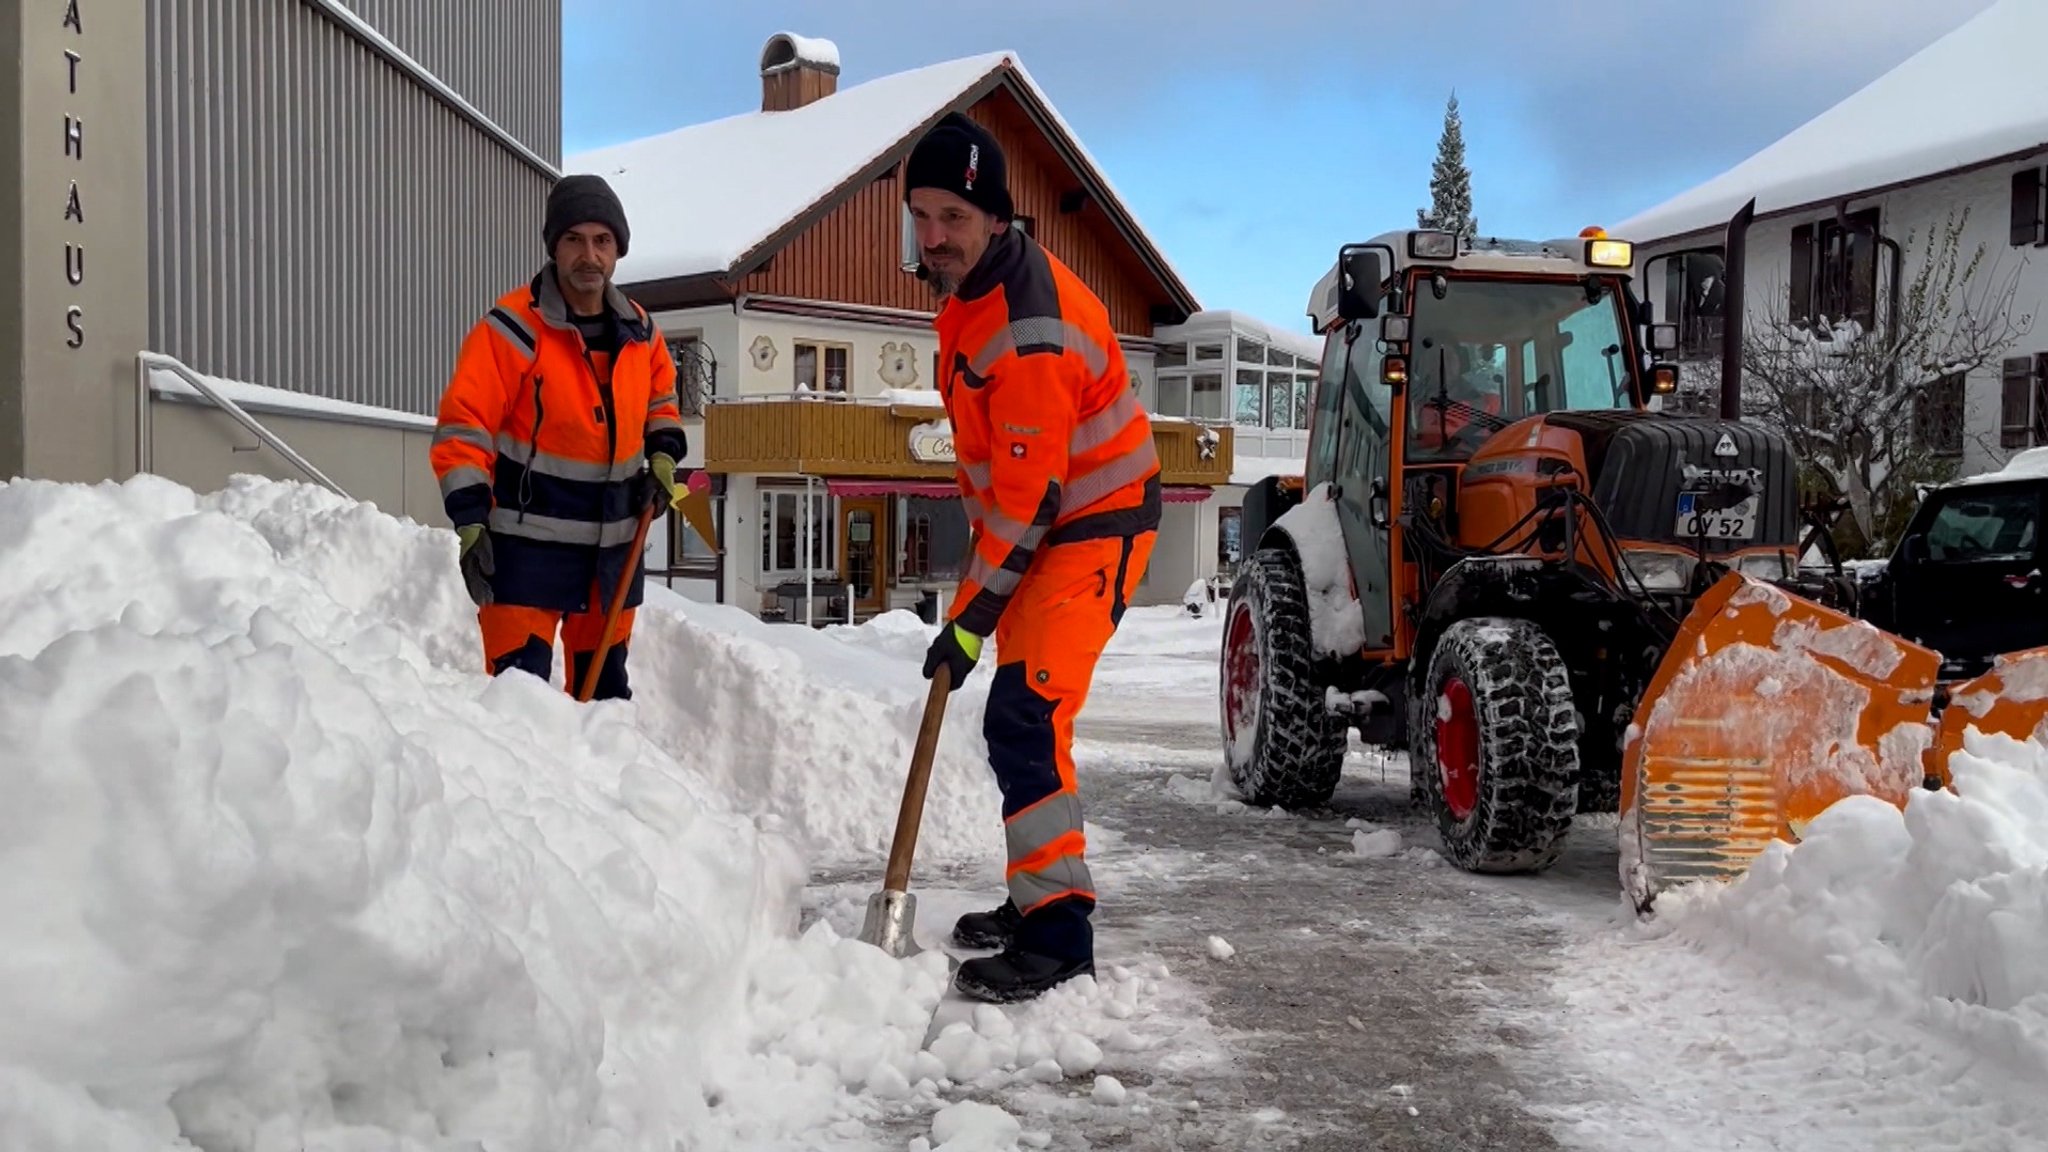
x=1465 y=339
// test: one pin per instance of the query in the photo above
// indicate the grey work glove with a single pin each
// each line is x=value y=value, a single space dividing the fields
x=477 y=564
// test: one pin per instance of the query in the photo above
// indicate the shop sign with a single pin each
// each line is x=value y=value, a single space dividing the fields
x=932 y=443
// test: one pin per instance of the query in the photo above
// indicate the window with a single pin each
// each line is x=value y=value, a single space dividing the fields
x=1466 y=386
x=1280 y=400
x=933 y=540
x=1990 y=526
x=2023 y=402
x=1207 y=353
x=1938 y=416
x=1695 y=299
x=1834 y=270
x=696 y=374
x=811 y=356
x=782 y=533
x=1304 y=384
x=1229 y=540
x=2029 y=208
x=909 y=257
x=1026 y=224
x=1249 y=405
x=686 y=549
x=1205 y=396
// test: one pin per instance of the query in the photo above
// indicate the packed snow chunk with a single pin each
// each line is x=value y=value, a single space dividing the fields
x=971 y=1126
x=1376 y=845
x=289 y=868
x=1939 y=910
x=1108 y=1090
x=1220 y=949
x=1336 y=617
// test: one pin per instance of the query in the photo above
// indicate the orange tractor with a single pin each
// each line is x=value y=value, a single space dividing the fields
x=1559 y=599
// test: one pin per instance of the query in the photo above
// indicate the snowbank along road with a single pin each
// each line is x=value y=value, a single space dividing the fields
x=291 y=872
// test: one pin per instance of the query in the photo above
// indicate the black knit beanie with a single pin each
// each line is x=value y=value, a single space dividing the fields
x=582 y=200
x=960 y=156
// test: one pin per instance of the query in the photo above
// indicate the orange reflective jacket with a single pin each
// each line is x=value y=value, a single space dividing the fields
x=1052 y=444
x=543 y=438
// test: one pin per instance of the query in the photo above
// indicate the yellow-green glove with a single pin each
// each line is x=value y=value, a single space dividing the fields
x=664 y=468
x=478 y=565
x=954 y=648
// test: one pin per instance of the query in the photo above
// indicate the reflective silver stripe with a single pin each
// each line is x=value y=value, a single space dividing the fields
x=554 y=530
x=1012 y=532
x=993 y=577
x=663 y=423
x=1031 y=830
x=462 y=476
x=1129 y=468
x=561 y=467
x=1103 y=427
x=658 y=399
x=514 y=331
x=1064 y=335
x=474 y=437
x=977 y=475
x=1066 y=874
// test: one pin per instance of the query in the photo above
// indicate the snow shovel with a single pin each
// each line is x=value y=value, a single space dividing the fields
x=611 y=616
x=892 y=912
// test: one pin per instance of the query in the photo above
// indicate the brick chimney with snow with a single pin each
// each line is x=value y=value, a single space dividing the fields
x=796 y=70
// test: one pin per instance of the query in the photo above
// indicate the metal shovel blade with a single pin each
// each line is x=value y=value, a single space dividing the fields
x=891 y=918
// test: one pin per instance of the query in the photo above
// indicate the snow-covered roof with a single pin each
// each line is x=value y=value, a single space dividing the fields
x=707 y=197
x=1221 y=320
x=1972 y=96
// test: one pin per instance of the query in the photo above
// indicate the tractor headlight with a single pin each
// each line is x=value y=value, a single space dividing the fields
x=1650 y=571
x=1604 y=253
x=1432 y=245
x=1764 y=565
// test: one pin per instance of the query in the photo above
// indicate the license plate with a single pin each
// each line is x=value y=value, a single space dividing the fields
x=1737 y=523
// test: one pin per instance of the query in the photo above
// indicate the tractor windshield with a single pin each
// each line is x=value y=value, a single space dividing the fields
x=1491 y=352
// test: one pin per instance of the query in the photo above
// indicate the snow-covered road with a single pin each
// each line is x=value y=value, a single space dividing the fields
x=1374 y=997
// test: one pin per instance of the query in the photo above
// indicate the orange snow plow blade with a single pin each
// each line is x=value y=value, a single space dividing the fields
x=1766 y=709
x=2011 y=699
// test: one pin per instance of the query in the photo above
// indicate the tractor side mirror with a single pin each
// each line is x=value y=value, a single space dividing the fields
x=1663 y=338
x=1913 y=549
x=1360 y=272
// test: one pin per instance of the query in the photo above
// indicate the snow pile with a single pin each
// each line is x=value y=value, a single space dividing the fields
x=1939 y=911
x=285 y=870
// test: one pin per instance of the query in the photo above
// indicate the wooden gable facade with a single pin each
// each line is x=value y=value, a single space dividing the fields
x=848 y=249
x=852 y=255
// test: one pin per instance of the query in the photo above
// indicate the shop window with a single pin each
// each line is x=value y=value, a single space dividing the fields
x=686 y=549
x=782 y=533
x=821 y=367
x=1229 y=540
x=933 y=540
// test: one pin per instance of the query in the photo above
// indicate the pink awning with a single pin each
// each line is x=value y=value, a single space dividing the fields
x=934 y=489
x=1185 y=493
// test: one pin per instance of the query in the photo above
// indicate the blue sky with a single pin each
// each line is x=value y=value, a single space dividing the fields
x=1252 y=139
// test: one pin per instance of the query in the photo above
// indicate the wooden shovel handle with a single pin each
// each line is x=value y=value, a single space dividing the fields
x=611 y=618
x=912 y=814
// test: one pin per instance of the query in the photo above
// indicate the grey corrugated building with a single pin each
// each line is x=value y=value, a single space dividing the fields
x=315 y=196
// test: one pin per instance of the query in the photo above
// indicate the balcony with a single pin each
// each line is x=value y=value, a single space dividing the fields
x=866 y=437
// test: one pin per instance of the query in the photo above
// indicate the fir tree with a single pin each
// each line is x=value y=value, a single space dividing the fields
x=1450 y=182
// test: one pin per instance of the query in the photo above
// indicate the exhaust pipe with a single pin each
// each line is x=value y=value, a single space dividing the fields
x=1731 y=326
x=1736 y=246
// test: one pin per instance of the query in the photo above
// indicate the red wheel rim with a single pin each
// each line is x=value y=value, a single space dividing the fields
x=1240 y=673
x=1457 y=748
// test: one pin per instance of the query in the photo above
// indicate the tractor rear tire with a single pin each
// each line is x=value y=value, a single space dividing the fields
x=1497 y=745
x=1282 y=745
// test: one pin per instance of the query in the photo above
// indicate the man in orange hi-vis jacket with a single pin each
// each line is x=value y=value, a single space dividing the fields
x=1061 y=483
x=556 y=428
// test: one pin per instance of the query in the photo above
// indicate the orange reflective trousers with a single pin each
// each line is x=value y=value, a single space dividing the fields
x=517 y=636
x=1047 y=645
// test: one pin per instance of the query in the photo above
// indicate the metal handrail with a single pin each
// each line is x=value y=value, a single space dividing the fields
x=145 y=361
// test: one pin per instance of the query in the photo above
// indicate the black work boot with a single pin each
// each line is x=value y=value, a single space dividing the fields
x=1014 y=974
x=993 y=929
